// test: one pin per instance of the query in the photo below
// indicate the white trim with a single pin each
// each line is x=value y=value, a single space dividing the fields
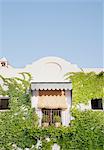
x=39 y=113
x=51 y=85
x=34 y=99
x=66 y=114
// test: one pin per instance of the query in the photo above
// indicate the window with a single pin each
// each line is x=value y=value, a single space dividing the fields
x=49 y=115
x=96 y=104
x=4 y=103
x=3 y=64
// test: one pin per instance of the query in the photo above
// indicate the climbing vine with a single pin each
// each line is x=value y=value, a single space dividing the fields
x=19 y=125
x=86 y=86
x=15 y=122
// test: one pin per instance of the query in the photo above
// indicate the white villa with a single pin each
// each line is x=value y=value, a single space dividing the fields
x=51 y=93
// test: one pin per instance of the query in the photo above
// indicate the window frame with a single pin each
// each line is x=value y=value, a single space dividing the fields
x=51 y=113
x=4 y=106
x=101 y=103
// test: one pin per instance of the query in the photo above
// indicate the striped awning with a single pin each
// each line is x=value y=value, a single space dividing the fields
x=51 y=85
x=52 y=102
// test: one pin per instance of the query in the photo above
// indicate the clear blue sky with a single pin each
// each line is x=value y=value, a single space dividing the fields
x=71 y=29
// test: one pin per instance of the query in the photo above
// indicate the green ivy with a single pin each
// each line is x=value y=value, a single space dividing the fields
x=86 y=86
x=19 y=125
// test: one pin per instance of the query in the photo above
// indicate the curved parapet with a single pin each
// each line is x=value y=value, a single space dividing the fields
x=50 y=69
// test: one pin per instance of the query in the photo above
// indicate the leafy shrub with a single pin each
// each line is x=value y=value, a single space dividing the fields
x=88 y=130
x=45 y=118
x=19 y=125
x=57 y=118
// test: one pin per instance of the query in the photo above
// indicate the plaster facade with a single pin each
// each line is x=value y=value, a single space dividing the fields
x=51 y=71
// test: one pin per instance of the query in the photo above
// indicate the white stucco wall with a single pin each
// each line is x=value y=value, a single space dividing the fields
x=84 y=107
x=34 y=99
x=48 y=69
x=66 y=114
x=34 y=103
x=52 y=69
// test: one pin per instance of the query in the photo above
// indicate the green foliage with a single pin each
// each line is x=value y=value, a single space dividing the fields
x=45 y=118
x=19 y=126
x=86 y=133
x=88 y=130
x=86 y=86
x=57 y=118
x=15 y=124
